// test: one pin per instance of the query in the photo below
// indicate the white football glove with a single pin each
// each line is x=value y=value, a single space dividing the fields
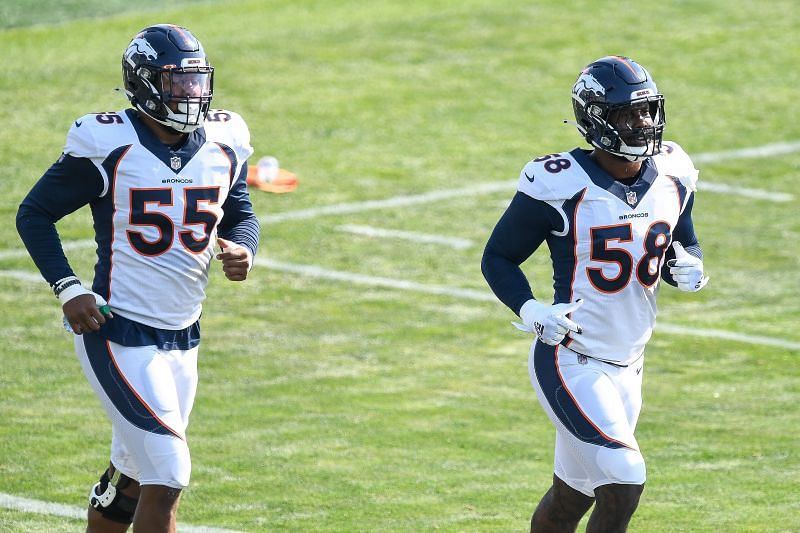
x=686 y=270
x=549 y=322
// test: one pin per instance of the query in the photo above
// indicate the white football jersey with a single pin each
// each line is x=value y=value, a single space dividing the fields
x=156 y=219
x=612 y=246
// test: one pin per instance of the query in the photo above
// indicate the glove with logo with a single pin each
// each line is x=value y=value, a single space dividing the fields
x=549 y=322
x=686 y=270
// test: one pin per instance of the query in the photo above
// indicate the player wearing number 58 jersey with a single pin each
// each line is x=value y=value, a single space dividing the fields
x=617 y=220
x=609 y=241
x=166 y=183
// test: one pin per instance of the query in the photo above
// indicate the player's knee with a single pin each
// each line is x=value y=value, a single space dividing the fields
x=622 y=465
x=618 y=500
x=170 y=460
x=161 y=499
x=106 y=497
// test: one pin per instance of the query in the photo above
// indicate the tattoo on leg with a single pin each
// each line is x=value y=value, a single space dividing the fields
x=561 y=508
x=616 y=504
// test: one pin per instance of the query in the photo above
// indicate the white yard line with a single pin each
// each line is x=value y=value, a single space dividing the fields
x=314 y=271
x=27 y=505
x=509 y=187
x=425 y=238
x=766 y=150
x=22 y=275
x=756 y=194
x=726 y=335
x=486 y=296
x=395 y=201
x=67 y=245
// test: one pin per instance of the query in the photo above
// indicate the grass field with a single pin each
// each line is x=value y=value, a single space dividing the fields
x=362 y=383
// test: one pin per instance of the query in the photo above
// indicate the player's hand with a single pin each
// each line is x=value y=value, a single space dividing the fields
x=235 y=260
x=83 y=312
x=549 y=322
x=686 y=270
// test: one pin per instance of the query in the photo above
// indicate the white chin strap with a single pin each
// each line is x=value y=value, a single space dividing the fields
x=637 y=153
x=630 y=156
x=633 y=156
x=634 y=153
x=187 y=119
x=179 y=121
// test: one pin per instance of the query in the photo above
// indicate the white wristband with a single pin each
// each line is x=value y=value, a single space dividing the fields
x=530 y=308
x=71 y=292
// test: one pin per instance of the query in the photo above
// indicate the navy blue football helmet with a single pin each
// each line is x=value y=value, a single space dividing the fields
x=618 y=108
x=167 y=76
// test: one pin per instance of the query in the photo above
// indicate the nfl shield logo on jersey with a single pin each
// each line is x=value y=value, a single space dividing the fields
x=175 y=162
x=631 y=197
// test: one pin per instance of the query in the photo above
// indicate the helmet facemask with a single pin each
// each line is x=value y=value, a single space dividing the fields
x=178 y=98
x=633 y=130
x=186 y=96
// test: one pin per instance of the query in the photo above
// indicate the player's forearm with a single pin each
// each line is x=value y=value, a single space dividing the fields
x=506 y=280
x=240 y=224
x=245 y=233
x=41 y=239
x=519 y=232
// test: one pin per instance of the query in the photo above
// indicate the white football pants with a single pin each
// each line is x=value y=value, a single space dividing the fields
x=148 y=394
x=594 y=407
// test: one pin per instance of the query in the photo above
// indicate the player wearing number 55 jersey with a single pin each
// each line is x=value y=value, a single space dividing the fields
x=617 y=220
x=166 y=182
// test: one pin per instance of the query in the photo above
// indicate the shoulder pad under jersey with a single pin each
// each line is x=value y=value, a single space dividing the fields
x=673 y=161
x=229 y=128
x=95 y=135
x=552 y=177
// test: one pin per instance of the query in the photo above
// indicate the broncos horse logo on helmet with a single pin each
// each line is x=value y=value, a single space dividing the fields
x=141 y=46
x=588 y=83
x=607 y=98
x=167 y=77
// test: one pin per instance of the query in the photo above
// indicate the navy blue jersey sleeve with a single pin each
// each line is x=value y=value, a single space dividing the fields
x=684 y=234
x=239 y=223
x=68 y=185
x=523 y=227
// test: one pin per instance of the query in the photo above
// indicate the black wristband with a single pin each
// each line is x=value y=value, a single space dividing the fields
x=58 y=289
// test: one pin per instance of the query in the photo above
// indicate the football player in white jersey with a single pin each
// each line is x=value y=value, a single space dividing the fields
x=165 y=181
x=617 y=219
